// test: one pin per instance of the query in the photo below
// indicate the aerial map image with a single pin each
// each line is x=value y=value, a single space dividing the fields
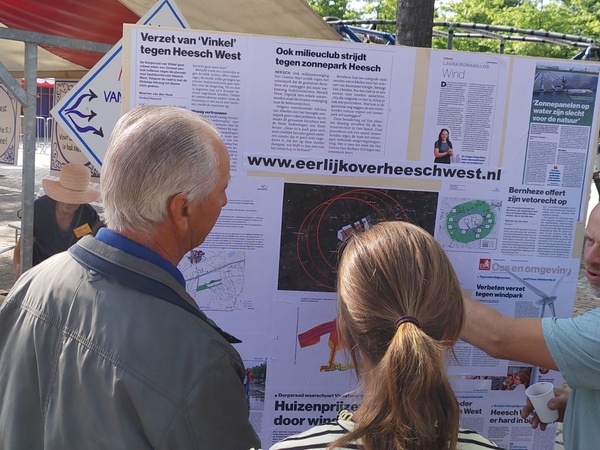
x=466 y=224
x=317 y=219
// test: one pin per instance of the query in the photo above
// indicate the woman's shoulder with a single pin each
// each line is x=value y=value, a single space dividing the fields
x=319 y=437
x=471 y=440
x=316 y=438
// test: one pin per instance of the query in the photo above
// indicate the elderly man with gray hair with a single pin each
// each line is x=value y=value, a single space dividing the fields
x=101 y=346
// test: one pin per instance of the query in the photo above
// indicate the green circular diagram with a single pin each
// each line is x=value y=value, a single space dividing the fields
x=470 y=221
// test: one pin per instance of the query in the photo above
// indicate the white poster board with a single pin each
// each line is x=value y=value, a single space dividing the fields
x=327 y=137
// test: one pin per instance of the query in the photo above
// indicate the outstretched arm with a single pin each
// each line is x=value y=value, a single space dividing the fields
x=506 y=337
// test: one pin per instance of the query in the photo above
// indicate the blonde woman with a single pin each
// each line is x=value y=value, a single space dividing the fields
x=400 y=308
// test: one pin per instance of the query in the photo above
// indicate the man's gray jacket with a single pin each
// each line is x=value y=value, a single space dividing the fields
x=87 y=361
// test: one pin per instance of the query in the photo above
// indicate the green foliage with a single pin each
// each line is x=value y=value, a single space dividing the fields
x=576 y=17
x=381 y=9
x=334 y=8
x=259 y=372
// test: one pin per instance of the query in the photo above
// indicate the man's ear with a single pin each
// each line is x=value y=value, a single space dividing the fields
x=179 y=212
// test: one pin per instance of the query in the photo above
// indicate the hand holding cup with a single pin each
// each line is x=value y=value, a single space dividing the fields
x=540 y=394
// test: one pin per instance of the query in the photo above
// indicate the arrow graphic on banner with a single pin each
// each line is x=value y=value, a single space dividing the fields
x=92 y=95
x=73 y=110
x=89 y=116
x=99 y=132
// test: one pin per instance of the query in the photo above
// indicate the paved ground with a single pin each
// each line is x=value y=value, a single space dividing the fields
x=10 y=203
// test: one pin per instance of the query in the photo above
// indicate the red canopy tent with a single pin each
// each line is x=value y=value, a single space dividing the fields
x=102 y=21
x=97 y=21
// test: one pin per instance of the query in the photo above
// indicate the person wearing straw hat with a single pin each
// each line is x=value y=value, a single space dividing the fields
x=62 y=216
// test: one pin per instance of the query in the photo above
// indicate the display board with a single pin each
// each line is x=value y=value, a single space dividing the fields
x=327 y=138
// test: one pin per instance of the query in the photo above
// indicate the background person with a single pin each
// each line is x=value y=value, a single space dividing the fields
x=571 y=345
x=101 y=347
x=62 y=216
x=399 y=308
x=248 y=377
x=442 y=148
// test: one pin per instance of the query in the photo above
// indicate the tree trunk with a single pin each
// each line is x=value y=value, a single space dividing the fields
x=414 y=22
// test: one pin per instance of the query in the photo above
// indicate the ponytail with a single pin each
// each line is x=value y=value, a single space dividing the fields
x=400 y=305
x=397 y=411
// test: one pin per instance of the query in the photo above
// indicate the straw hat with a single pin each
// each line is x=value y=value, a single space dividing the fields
x=73 y=185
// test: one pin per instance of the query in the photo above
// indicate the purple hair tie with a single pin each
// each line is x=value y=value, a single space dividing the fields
x=407 y=319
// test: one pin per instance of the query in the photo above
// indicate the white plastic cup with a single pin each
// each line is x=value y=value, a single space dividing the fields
x=540 y=394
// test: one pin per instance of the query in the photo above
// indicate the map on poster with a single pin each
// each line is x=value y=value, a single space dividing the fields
x=215 y=279
x=317 y=220
x=465 y=224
